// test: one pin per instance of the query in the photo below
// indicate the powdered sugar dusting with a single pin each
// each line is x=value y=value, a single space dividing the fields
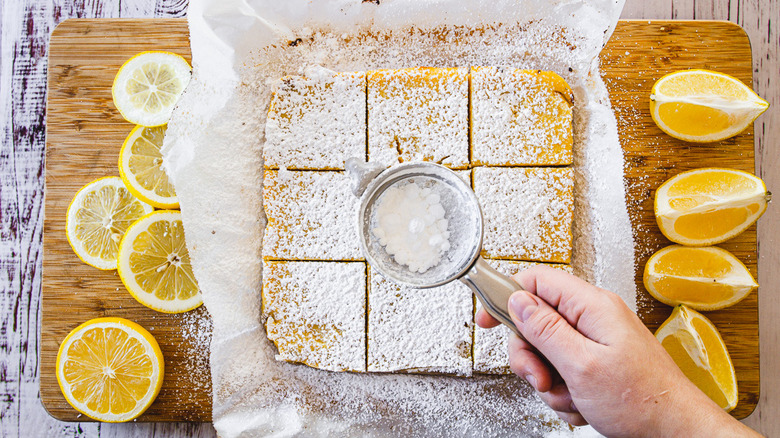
x=520 y=118
x=316 y=122
x=213 y=148
x=316 y=313
x=528 y=212
x=311 y=216
x=418 y=114
x=419 y=330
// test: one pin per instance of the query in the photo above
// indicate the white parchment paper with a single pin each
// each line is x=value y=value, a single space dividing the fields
x=213 y=153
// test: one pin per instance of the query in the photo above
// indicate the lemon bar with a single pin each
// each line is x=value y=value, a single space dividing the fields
x=419 y=330
x=490 y=345
x=520 y=118
x=316 y=313
x=527 y=211
x=311 y=216
x=316 y=123
x=419 y=114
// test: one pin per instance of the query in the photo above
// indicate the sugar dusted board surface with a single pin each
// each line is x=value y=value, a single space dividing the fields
x=419 y=330
x=316 y=313
x=527 y=212
x=316 y=122
x=311 y=216
x=520 y=118
x=419 y=114
x=491 y=355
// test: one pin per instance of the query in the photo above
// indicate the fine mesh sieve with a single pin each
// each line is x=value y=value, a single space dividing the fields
x=464 y=215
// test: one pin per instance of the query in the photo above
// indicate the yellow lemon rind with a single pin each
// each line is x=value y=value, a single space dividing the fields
x=683 y=312
x=666 y=220
x=125 y=115
x=128 y=279
x=132 y=186
x=128 y=326
x=761 y=106
x=649 y=279
x=75 y=245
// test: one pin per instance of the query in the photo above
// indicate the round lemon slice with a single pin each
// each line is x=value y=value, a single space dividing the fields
x=141 y=167
x=98 y=217
x=697 y=348
x=703 y=278
x=148 y=85
x=110 y=369
x=703 y=106
x=707 y=206
x=154 y=264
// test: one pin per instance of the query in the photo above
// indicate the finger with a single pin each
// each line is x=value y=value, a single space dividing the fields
x=526 y=363
x=573 y=419
x=545 y=328
x=484 y=320
x=583 y=305
x=559 y=398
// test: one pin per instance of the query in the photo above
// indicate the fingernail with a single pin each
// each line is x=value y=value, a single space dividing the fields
x=573 y=408
x=522 y=305
x=531 y=379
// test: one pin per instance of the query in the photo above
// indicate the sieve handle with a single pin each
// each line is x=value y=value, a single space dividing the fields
x=493 y=290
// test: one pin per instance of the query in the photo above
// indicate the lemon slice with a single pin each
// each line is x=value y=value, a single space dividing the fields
x=97 y=219
x=148 y=85
x=708 y=206
x=703 y=106
x=141 y=167
x=154 y=264
x=697 y=348
x=704 y=278
x=110 y=369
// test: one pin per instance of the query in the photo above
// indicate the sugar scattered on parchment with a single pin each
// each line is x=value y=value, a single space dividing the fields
x=252 y=388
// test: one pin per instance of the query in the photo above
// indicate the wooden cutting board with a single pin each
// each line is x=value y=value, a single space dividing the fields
x=85 y=133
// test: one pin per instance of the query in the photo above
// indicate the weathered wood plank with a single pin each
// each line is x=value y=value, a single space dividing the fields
x=25 y=28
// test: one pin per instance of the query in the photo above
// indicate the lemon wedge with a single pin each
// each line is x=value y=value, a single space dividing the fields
x=154 y=264
x=110 y=369
x=148 y=85
x=697 y=348
x=707 y=206
x=141 y=167
x=98 y=217
x=703 y=278
x=703 y=106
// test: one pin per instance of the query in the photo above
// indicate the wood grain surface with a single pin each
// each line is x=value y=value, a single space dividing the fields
x=85 y=133
x=638 y=54
x=25 y=26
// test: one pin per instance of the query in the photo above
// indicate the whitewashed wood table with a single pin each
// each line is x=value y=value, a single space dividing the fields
x=26 y=26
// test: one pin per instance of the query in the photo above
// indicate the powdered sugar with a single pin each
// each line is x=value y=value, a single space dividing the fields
x=311 y=216
x=316 y=313
x=411 y=225
x=520 y=117
x=418 y=114
x=316 y=122
x=528 y=212
x=214 y=158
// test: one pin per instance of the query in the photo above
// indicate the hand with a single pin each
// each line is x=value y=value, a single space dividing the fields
x=605 y=367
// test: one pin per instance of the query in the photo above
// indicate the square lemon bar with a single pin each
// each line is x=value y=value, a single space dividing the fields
x=311 y=216
x=419 y=114
x=520 y=118
x=316 y=313
x=419 y=330
x=490 y=345
x=316 y=123
x=528 y=212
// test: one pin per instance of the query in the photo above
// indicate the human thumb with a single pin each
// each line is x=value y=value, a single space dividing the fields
x=545 y=328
